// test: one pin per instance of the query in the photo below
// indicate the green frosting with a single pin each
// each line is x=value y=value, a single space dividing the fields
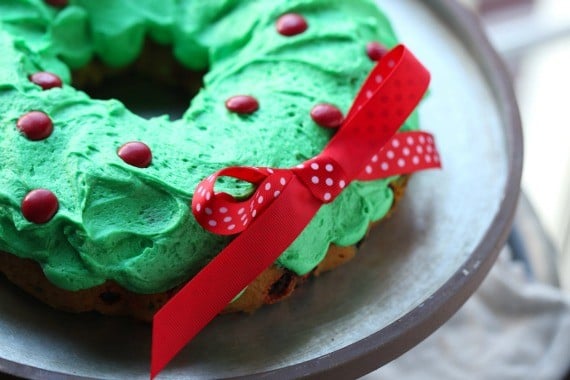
x=133 y=225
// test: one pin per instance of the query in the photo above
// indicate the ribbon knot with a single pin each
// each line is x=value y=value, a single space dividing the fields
x=323 y=176
x=284 y=201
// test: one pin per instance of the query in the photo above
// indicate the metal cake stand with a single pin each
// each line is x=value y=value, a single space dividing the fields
x=410 y=276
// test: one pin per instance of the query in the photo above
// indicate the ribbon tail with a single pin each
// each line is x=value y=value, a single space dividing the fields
x=405 y=153
x=249 y=254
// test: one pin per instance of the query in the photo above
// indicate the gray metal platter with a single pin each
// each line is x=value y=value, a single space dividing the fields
x=410 y=276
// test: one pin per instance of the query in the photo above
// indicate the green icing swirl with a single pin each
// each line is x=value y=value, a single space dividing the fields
x=133 y=225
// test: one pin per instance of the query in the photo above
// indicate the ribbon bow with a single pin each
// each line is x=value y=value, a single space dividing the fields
x=366 y=147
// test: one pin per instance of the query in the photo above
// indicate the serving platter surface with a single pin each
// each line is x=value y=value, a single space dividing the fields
x=412 y=273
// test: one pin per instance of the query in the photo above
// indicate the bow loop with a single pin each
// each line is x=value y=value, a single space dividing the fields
x=223 y=214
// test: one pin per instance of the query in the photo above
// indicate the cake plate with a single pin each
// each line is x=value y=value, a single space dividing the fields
x=410 y=276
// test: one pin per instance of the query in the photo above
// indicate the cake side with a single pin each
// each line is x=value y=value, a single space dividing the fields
x=273 y=285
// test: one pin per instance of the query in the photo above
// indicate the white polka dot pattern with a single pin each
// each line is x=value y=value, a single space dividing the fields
x=221 y=213
x=407 y=152
x=323 y=176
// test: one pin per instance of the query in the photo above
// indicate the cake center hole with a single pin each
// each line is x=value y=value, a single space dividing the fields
x=155 y=84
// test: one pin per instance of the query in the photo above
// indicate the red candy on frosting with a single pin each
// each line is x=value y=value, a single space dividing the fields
x=46 y=80
x=57 y=3
x=291 y=24
x=327 y=115
x=242 y=104
x=39 y=206
x=35 y=125
x=375 y=51
x=136 y=153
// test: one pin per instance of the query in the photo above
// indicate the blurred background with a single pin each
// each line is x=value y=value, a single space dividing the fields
x=533 y=36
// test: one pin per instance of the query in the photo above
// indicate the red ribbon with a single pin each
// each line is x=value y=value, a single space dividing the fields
x=366 y=147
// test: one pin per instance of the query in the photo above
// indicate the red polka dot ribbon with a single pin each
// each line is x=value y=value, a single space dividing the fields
x=366 y=147
x=220 y=213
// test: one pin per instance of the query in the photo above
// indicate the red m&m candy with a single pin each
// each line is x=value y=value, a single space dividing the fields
x=39 y=206
x=136 y=153
x=35 y=125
